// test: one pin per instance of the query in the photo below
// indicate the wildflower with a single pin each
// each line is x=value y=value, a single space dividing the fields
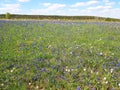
x=29 y=83
x=119 y=84
x=2 y=84
x=43 y=69
x=52 y=66
x=104 y=78
x=101 y=54
x=71 y=52
x=91 y=47
x=84 y=69
x=105 y=69
x=100 y=39
x=62 y=77
x=37 y=87
x=11 y=71
x=93 y=88
x=112 y=89
x=96 y=73
x=118 y=64
x=67 y=70
x=106 y=82
x=78 y=88
x=77 y=47
x=111 y=70
x=112 y=53
x=98 y=79
x=78 y=56
x=91 y=71
x=78 y=66
x=49 y=46
x=35 y=78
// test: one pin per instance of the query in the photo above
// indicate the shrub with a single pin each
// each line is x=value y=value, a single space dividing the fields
x=8 y=16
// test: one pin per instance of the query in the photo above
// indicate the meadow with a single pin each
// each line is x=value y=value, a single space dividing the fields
x=59 y=55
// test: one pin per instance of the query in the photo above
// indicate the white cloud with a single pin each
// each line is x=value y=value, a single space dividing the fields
x=106 y=0
x=23 y=0
x=99 y=8
x=93 y=2
x=73 y=9
x=50 y=9
x=46 y=4
x=103 y=8
x=12 y=8
x=55 y=6
x=110 y=3
x=102 y=11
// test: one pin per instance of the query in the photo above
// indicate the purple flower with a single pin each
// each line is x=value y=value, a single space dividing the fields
x=118 y=64
x=78 y=88
x=62 y=77
x=43 y=69
x=112 y=89
x=93 y=88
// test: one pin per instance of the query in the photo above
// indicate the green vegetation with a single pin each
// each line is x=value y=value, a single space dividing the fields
x=54 y=17
x=8 y=15
x=41 y=55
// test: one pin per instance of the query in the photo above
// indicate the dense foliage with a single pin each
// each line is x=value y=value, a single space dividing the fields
x=7 y=16
x=51 y=17
x=50 y=55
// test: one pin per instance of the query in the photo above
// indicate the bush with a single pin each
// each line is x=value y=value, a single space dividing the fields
x=8 y=16
x=108 y=19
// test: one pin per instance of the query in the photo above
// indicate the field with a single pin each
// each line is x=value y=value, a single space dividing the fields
x=57 y=55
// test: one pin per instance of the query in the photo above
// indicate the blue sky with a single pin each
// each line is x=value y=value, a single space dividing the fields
x=104 y=8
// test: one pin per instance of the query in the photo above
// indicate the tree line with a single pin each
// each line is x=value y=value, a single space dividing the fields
x=55 y=17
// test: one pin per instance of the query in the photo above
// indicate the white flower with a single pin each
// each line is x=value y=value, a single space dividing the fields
x=67 y=70
x=78 y=56
x=71 y=52
x=29 y=83
x=91 y=71
x=13 y=68
x=105 y=69
x=77 y=47
x=91 y=47
x=104 y=78
x=106 y=82
x=72 y=69
x=2 y=84
x=84 y=69
x=119 y=84
x=49 y=46
x=37 y=87
x=97 y=73
x=112 y=53
x=11 y=71
x=101 y=54
x=111 y=70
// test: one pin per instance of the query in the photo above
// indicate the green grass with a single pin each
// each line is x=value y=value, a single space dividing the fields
x=37 y=55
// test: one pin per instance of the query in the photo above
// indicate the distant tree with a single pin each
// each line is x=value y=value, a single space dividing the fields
x=8 y=15
x=108 y=19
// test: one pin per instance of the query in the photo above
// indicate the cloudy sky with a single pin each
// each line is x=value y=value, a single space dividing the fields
x=104 y=8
